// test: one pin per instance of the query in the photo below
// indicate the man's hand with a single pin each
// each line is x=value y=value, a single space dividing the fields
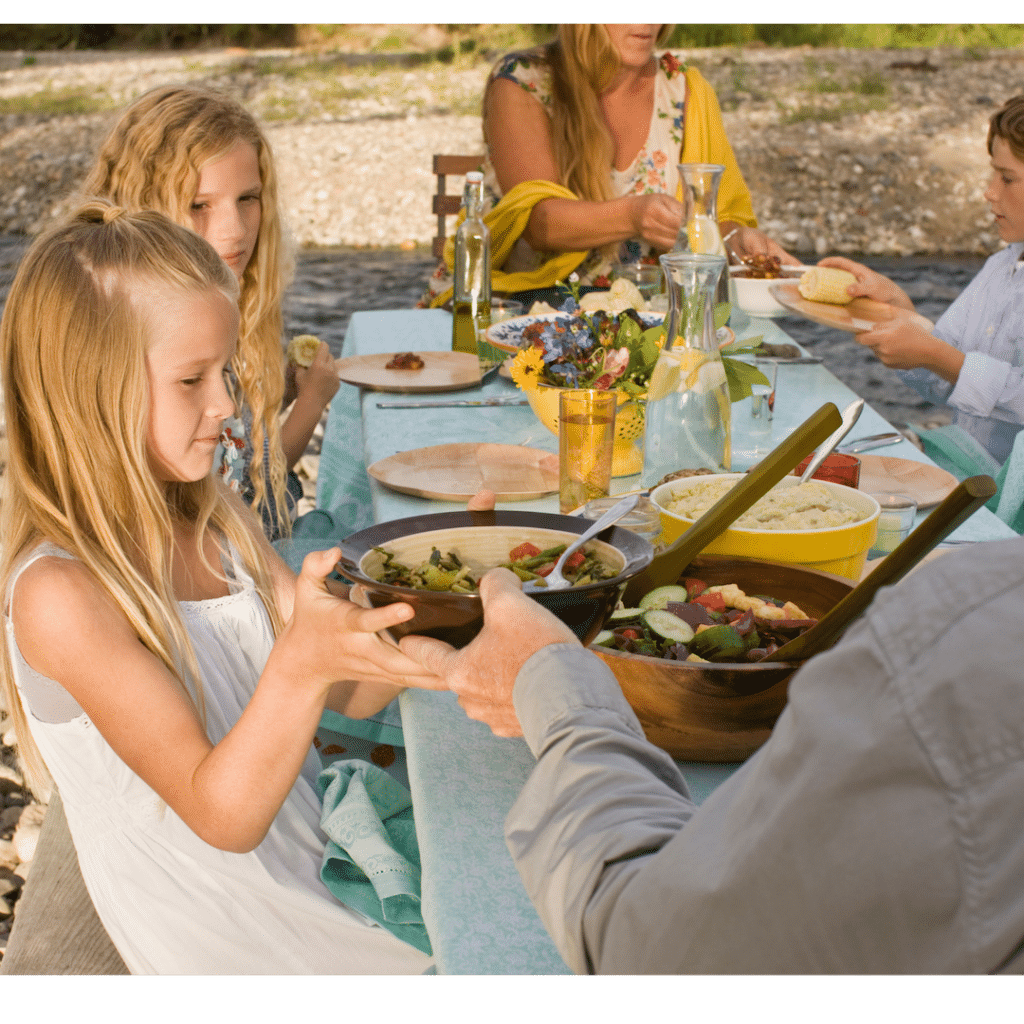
x=484 y=672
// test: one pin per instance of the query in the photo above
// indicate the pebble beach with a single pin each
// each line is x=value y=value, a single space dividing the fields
x=876 y=154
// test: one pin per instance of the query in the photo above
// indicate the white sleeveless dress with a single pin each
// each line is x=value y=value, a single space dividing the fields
x=172 y=903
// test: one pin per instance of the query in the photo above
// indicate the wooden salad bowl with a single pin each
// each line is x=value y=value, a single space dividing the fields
x=702 y=711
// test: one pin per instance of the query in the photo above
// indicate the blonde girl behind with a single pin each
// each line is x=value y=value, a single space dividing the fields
x=152 y=160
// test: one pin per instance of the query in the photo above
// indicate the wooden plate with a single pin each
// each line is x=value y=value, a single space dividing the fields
x=455 y=472
x=859 y=315
x=442 y=371
x=926 y=484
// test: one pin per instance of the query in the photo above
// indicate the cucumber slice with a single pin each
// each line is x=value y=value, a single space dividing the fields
x=668 y=626
x=625 y=614
x=660 y=596
x=603 y=639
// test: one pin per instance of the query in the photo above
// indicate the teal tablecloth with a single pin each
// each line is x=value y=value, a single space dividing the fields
x=463 y=779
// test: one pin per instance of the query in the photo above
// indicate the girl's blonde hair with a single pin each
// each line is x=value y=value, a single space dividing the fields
x=73 y=343
x=152 y=160
x=583 y=62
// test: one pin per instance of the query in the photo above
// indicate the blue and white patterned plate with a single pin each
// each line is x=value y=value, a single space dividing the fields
x=508 y=334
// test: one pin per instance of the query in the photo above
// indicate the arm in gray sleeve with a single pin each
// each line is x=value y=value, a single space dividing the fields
x=836 y=848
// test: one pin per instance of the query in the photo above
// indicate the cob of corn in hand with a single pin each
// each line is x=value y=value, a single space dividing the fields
x=826 y=284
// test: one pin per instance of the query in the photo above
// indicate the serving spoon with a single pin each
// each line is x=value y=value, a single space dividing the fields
x=962 y=503
x=666 y=566
x=554 y=579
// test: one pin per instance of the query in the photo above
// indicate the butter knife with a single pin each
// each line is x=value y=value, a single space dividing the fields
x=466 y=402
x=865 y=444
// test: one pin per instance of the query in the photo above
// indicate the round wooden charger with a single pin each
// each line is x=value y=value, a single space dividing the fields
x=441 y=371
x=926 y=484
x=455 y=472
x=859 y=315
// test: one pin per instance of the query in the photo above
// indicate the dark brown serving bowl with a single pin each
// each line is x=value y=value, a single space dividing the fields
x=483 y=540
x=703 y=711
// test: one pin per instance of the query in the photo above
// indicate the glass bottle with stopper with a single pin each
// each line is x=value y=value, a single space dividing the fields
x=699 y=231
x=688 y=415
x=471 y=303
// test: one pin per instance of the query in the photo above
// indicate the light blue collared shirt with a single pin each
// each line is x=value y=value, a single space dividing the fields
x=987 y=323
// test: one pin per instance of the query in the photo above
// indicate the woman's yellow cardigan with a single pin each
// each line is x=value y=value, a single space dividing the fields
x=704 y=141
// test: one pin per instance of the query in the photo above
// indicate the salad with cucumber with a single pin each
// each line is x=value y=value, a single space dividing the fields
x=692 y=621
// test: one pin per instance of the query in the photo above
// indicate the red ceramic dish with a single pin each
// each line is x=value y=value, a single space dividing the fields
x=837 y=469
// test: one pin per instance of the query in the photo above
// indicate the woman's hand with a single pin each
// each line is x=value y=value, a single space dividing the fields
x=657 y=218
x=870 y=284
x=319 y=381
x=484 y=672
x=907 y=346
x=748 y=242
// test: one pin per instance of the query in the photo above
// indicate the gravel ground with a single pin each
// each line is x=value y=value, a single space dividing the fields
x=860 y=152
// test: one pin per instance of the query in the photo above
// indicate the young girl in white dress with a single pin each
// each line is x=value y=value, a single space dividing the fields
x=163 y=666
x=200 y=157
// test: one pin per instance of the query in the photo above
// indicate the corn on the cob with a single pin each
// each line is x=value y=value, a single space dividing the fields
x=303 y=348
x=826 y=284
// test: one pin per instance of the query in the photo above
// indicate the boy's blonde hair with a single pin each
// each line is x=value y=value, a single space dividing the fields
x=152 y=160
x=73 y=343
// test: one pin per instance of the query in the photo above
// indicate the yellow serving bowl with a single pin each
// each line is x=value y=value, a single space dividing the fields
x=628 y=447
x=842 y=550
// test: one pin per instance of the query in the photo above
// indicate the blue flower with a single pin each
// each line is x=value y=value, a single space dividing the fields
x=569 y=372
x=569 y=306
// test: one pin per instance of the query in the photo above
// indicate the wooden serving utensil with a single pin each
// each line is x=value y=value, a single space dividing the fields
x=666 y=566
x=959 y=506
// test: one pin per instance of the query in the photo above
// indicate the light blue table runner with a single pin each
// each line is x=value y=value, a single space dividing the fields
x=462 y=778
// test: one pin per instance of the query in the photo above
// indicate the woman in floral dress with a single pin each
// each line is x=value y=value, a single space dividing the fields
x=601 y=113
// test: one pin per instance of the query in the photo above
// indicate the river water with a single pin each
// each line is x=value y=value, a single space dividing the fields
x=331 y=284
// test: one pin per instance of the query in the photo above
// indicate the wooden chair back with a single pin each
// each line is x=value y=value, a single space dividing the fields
x=444 y=204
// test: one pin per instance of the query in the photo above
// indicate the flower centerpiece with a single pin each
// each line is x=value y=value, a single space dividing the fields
x=607 y=351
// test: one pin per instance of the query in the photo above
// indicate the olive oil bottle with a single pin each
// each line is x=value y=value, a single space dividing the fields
x=471 y=304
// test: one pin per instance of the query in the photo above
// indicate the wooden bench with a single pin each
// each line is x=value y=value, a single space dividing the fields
x=56 y=929
x=444 y=204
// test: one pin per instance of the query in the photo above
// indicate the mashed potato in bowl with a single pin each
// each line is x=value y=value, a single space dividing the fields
x=810 y=506
x=822 y=525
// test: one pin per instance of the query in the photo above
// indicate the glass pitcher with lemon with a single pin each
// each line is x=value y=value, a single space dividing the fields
x=688 y=407
x=699 y=231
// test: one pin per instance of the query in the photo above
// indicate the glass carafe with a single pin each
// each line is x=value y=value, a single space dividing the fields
x=688 y=408
x=699 y=231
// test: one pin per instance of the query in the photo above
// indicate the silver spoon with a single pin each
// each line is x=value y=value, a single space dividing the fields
x=555 y=580
x=850 y=416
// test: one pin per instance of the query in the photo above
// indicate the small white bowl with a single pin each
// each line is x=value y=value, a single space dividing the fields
x=752 y=294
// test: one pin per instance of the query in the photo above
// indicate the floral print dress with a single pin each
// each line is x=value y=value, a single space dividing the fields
x=653 y=170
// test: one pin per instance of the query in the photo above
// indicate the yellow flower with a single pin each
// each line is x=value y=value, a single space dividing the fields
x=526 y=368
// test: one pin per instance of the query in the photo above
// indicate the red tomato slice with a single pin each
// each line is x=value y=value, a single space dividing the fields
x=575 y=560
x=694 y=586
x=526 y=550
x=545 y=569
x=713 y=602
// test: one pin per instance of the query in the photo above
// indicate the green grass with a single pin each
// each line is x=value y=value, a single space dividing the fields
x=53 y=103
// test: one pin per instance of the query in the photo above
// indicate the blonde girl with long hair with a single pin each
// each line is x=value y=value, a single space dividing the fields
x=600 y=113
x=161 y=663
x=200 y=157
